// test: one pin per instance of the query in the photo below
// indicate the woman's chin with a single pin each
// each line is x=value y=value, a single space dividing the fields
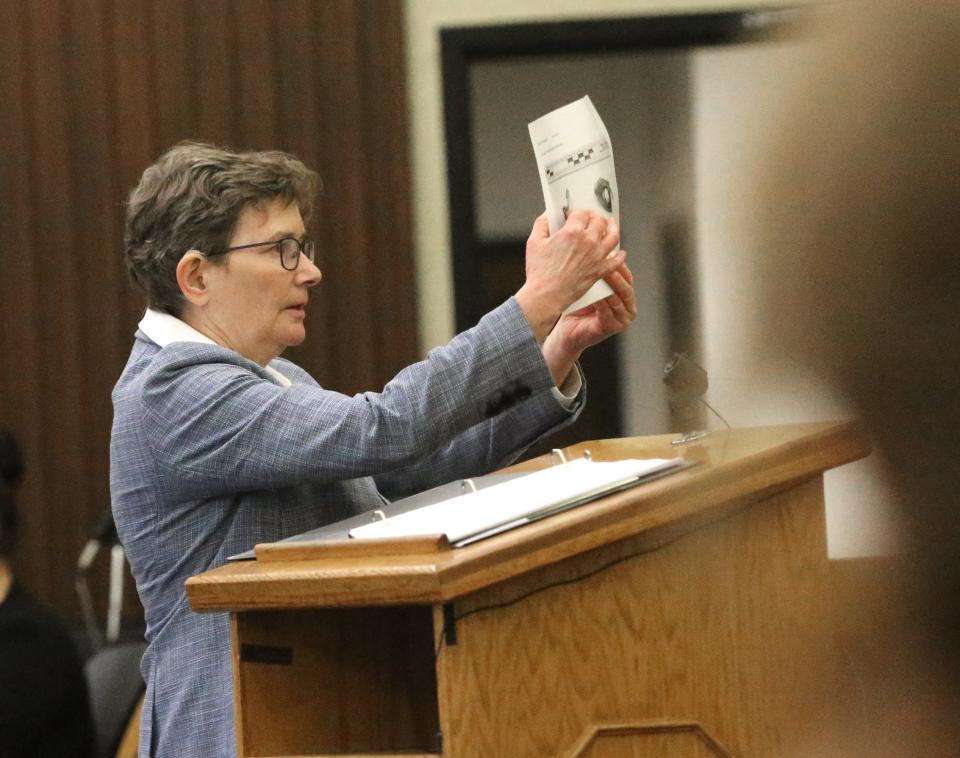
x=295 y=336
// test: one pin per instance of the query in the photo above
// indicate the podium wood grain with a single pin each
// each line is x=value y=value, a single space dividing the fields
x=725 y=627
x=689 y=616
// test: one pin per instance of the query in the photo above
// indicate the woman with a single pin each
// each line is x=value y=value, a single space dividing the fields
x=219 y=444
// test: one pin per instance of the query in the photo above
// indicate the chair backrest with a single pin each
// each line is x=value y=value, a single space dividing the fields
x=113 y=677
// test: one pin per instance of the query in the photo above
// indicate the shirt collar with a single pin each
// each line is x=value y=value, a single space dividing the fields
x=162 y=328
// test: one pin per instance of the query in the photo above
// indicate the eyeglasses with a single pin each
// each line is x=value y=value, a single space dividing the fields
x=290 y=249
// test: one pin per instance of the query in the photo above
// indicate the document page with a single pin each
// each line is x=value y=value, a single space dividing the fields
x=575 y=162
x=518 y=501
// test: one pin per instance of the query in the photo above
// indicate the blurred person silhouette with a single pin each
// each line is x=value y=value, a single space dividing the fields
x=44 y=707
x=859 y=224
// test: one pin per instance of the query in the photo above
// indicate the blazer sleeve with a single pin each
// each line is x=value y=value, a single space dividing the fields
x=487 y=446
x=218 y=427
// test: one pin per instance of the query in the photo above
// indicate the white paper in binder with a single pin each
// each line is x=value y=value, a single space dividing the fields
x=575 y=162
x=475 y=515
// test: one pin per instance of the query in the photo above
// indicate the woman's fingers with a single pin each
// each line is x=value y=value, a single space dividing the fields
x=623 y=300
x=611 y=263
x=541 y=229
x=611 y=236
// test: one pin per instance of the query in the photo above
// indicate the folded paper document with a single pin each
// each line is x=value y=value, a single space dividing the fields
x=475 y=515
x=575 y=161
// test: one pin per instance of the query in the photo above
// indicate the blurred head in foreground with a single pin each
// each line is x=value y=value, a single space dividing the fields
x=861 y=219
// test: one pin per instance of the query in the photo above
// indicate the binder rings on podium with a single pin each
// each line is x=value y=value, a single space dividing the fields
x=477 y=514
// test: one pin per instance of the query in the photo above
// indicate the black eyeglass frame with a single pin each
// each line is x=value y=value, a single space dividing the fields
x=306 y=247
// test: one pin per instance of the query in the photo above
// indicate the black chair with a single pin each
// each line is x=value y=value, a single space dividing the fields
x=113 y=677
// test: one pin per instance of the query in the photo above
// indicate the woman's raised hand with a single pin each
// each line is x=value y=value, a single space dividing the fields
x=562 y=267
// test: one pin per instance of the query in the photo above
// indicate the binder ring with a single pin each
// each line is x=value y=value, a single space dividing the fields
x=468 y=483
x=558 y=453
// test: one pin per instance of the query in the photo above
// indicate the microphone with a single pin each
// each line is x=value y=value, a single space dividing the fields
x=687 y=383
x=686 y=379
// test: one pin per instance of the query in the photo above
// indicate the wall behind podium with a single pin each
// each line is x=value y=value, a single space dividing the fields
x=91 y=92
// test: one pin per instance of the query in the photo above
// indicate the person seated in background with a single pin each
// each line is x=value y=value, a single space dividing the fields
x=218 y=443
x=44 y=706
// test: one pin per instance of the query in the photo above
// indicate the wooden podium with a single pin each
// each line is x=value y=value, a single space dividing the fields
x=689 y=616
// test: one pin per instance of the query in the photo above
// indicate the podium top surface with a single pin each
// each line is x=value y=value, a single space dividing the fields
x=735 y=469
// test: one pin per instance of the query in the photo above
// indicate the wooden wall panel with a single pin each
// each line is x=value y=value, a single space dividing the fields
x=91 y=92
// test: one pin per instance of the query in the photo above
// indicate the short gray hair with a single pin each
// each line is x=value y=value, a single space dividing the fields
x=191 y=198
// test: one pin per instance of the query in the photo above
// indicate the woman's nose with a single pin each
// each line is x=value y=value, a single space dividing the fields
x=308 y=272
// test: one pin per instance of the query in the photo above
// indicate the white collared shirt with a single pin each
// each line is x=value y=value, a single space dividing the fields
x=163 y=329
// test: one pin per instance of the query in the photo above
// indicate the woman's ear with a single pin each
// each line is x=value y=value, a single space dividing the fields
x=191 y=277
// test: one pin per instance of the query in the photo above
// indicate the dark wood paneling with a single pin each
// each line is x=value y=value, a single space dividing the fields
x=92 y=91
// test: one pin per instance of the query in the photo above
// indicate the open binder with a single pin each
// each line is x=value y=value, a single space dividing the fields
x=480 y=513
x=455 y=514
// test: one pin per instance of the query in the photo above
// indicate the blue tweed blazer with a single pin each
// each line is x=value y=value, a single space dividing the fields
x=210 y=455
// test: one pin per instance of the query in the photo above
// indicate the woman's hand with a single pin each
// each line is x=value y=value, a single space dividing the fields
x=563 y=266
x=588 y=326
